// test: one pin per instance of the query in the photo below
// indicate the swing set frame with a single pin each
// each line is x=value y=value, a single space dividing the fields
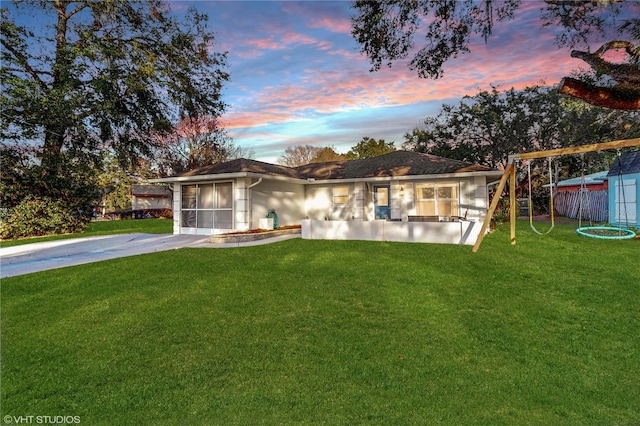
x=510 y=175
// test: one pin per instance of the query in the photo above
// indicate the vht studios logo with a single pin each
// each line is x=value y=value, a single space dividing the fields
x=41 y=420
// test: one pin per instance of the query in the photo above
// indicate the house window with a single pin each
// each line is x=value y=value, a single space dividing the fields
x=340 y=195
x=208 y=205
x=439 y=199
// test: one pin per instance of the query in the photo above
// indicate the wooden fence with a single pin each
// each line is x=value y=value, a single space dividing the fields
x=595 y=205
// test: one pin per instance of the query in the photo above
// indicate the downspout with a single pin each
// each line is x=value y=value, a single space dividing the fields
x=259 y=181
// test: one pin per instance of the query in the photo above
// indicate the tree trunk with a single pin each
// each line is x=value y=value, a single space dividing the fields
x=55 y=130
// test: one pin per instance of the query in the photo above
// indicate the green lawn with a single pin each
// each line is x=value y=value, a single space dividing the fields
x=333 y=332
x=107 y=227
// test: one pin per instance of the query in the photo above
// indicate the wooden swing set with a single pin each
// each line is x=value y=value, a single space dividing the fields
x=510 y=174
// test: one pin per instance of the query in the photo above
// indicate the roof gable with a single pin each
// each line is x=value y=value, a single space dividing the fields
x=626 y=164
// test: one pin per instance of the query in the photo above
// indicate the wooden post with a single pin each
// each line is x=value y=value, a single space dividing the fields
x=625 y=143
x=492 y=207
x=513 y=204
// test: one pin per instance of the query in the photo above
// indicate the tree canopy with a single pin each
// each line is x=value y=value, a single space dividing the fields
x=104 y=74
x=81 y=77
x=386 y=31
x=489 y=126
x=370 y=147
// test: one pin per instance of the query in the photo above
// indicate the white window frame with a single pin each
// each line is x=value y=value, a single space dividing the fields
x=335 y=195
x=436 y=199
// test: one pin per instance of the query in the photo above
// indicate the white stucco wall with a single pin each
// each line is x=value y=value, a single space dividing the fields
x=287 y=199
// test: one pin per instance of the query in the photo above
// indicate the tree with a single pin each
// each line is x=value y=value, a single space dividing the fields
x=386 y=31
x=102 y=75
x=326 y=154
x=299 y=155
x=488 y=127
x=369 y=147
x=195 y=143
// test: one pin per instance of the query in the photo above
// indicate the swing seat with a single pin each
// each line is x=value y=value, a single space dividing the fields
x=606 y=232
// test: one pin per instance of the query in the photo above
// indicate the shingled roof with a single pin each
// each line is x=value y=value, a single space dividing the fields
x=243 y=165
x=397 y=163
x=626 y=164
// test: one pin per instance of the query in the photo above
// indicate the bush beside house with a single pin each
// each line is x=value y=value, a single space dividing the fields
x=38 y=216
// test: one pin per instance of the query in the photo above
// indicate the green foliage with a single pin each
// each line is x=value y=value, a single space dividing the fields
x=89 y=76
x=325 y=154
x=308 y=332
x=70 y=180
x=489 y=126
x=387 y=31
x=369 y=147
x=38 y=216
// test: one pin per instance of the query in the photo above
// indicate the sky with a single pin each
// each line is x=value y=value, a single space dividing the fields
x=297 y=75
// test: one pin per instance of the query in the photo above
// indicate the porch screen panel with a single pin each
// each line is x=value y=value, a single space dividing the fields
x=223 y=213
x=205 y=218
x=224 y=196
x=208 y=206
x=223 y=219
x=189 y=196
x=205 y=197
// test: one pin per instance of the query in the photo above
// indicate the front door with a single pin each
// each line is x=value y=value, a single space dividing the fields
x=381 y=201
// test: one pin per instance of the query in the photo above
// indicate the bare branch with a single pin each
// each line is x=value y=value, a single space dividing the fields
x=25 y=63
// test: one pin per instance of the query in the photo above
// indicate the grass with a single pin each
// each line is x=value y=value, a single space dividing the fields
x=333 y=332
x=107 y=227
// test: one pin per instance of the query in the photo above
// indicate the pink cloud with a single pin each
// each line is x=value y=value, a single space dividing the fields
x=336 y=25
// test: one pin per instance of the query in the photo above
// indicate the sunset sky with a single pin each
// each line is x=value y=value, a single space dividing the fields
x=297 y=76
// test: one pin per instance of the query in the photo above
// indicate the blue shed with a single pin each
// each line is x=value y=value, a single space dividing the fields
x=624 y=190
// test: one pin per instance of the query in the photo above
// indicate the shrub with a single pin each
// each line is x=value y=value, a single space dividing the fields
x=38 y=216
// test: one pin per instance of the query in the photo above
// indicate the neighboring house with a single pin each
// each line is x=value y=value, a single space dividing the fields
x=148 y=197
x=400 y=196
x=592 y=203
x=593 y=182
x=625 y=203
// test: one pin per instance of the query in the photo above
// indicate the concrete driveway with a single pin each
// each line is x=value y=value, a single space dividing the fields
x=28 y=258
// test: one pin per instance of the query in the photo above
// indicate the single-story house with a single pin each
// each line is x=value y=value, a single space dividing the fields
x=400 y=196
x=147 y=197
x=624 y=190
